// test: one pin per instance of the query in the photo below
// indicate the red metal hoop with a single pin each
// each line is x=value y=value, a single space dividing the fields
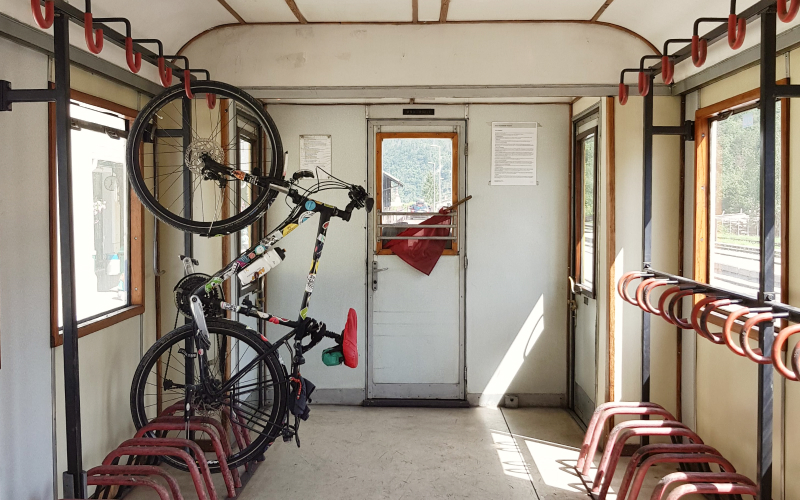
x=94 y=37
x=699 y=50
x=164 y=72
x=667 y=69
x=46 y=20
x=134 y=58
x=788 y=15
x=736 y=30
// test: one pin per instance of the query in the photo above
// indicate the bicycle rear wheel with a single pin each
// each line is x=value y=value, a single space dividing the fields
x=171 y=137
x=253 y=412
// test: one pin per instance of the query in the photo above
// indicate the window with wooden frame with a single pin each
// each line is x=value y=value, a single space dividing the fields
x=416 y=176
x=727 y=202
x=108 y=220
x=584 y=203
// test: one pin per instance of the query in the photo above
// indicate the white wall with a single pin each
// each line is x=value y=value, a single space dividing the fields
x=26 y=471
x=434 y=54
x=517 y=250
x=511 y=277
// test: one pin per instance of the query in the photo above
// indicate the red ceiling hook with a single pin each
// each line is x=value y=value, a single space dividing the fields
x=667 y=69
x=780 y=340
x=211 y=100
x=134 y=58
x=736 y=28
x=46 y=20
x=699 y=50
x=187 y=83
x=788 y=15
x=695 y=316
x=164 y=72
x=682 y=323
x=623 y=94
x=94 y=37
x=663 y=305
x=644 y=83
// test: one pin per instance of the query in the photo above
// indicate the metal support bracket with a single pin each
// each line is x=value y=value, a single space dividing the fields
x=8 y=96
x=686 y=131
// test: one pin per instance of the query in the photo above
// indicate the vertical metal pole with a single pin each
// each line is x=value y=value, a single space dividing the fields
x=188 y=247
x=647 y=235
x=767 y=250
x=74 y=477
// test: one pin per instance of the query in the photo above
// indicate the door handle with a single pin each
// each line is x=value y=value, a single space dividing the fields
x=375 y=272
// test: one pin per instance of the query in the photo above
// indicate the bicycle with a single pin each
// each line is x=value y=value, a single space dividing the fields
x=214 y=365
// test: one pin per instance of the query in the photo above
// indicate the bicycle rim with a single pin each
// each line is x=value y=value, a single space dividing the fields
x=171 y=136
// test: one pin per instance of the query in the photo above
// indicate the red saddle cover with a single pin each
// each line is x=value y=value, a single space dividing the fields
x=350 y=340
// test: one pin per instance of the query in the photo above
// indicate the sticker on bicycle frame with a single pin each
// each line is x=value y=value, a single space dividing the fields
x=260 y=249
x=310 y=283
x=314 y=267
x=238 y=174
x=310 y=205
x=305 y=216
x=274 y=238
x=289 y=228
x=304 y=312
x=213 y=283
x=244 y=259
x=321 y=238
x=325 y=226
x=251 y=255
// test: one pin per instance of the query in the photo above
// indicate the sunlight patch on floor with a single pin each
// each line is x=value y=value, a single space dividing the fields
x=555 y=464
x=510 y=456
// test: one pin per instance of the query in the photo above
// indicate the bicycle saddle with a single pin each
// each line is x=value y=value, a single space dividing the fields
x=347 y=350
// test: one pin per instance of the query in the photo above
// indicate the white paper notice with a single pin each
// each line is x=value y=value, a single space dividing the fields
x=315 y=152
x=514 y=154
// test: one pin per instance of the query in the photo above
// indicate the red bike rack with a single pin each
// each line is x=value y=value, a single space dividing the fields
x=673 y=458
x=613 y=452
x=695 y=478
x=164 y=73
x=133 y=481
x=717 y=338
x=744 y=339
x=598 y=422
x=134 y=58
x=45 y=20
x=136 y=470
x=219 y=449
x=727 y=489
x=777 y=347
x=697 y=310
x=94 y=38
x=656 y=449
x=663 y=306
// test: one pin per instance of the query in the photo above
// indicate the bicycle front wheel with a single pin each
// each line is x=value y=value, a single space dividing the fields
x=170 y=141
x=252 y=413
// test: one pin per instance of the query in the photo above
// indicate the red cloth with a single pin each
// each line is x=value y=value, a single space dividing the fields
x=350 y=339
x=422 y=255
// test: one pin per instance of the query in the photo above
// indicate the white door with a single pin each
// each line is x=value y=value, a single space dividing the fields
x=416 y=320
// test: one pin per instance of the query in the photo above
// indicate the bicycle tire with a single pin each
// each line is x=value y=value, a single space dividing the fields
x=139 y=408
x=138 y=180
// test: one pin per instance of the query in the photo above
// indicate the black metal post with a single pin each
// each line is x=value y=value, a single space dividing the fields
x=767 y=270
x=74 y=476
x=647 y=234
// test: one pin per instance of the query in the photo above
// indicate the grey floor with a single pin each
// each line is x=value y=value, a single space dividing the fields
x=358 y=453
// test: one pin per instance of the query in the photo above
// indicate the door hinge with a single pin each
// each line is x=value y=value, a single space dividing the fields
x=465 y=373
x=466 y=149
x=466 y=262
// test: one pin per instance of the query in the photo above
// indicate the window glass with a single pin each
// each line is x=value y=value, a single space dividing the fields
x=416 y=181
x=587 y=247
x=734 y=202
x=100 y=209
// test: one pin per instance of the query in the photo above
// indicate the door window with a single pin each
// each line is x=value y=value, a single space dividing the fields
x=415 y=178
x=585 y=208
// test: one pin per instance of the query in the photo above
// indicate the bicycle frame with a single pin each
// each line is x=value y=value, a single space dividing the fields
x=312 y=207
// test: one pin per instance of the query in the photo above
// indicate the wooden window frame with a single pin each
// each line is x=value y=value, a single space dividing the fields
x=135 y=235
x=701 y=252
x=577 y=198
x=379 y=137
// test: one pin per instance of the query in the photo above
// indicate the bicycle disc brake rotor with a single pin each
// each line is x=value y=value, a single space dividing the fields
x=199 y=148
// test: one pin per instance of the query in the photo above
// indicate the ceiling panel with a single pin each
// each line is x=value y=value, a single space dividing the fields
x=429 y=10
x=659 y=21
x=355 y=10
x=173 y=22
x=483 y=10
x=263 y=11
